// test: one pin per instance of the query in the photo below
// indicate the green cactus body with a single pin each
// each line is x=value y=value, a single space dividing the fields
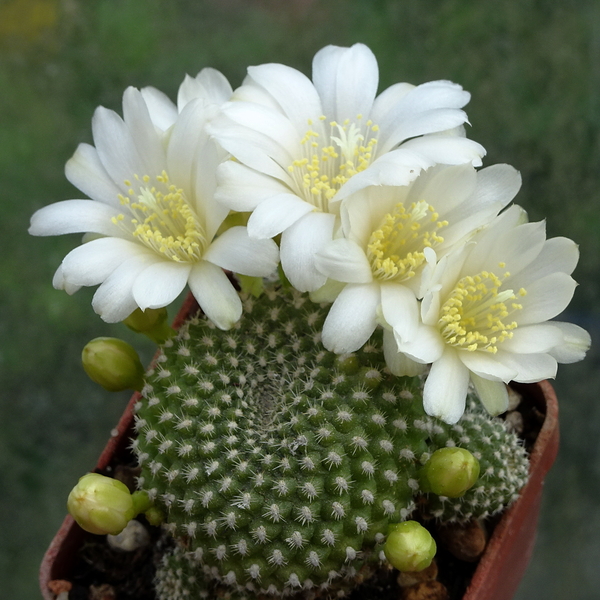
x=280 y=465
x=504 y=467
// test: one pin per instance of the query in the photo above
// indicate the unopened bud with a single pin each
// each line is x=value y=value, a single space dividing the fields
x=152 y=322
x=113 y=364
x=154 y=516
x=100 y=504
x=409 y=546
x=450 y=472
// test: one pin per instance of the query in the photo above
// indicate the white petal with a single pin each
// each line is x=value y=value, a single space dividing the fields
x=546 y=298
x=427 y=108
x=387 y=102
x=487 y=365
x=276 y=214
x=424 y=122
x=343 y=260
x=59 y=283
x=497 y=183
x=346 y=79
x=210 y=85
x=215 y=295
x=516 y=247
x=430 y=305
x=362 y=212
x=530 y=368
x=113 y=300
x=116 y=148
x=86 y=172
x=235 y=251
x=162 y=111
x=143 y=132
x=75 y=216
x=292 y=90
x=493 y=394
x=400 y=309
x=250 y=92
x=445 y=390
x=444 y=187
x=576 y=342
x=299 y=245
x=242 y=189
x=533 y=339
x=448 y=150
x=159 y=284
x=396 y=168
x=257 y=136
x=91 y=263
x=398 y=363
x=426 y=347
x=352 y=318
x=193 y=161
x=557 y=255
x=183 y=148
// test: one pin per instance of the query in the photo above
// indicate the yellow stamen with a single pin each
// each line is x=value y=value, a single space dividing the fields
x=162 y=219
x=395 y=249
x=331 y=158
x=474 y=317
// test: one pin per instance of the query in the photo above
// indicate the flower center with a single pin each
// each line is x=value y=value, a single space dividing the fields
x=476 y=314
x=395 y=250
x=329 y=160
x=161 y=218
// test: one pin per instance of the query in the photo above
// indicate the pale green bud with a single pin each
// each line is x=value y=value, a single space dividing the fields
x=449 y=472
x=113 y=364
x=409 y=546
x=154 y=516
x=152 y=322
x=100 y=504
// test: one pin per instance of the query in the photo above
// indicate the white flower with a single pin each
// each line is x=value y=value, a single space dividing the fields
x=389 y=236
x=152 y=214
x=302 y=146
x=485 y=318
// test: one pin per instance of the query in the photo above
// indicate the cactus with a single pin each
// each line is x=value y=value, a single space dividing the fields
x=280 y=465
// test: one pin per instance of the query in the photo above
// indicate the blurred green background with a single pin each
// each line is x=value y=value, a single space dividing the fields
x=533 y=68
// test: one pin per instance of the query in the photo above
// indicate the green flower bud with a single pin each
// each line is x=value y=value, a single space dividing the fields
x=449 y=472
x=409 y=546
x=101 y=504
x=152 y=322
x=154 y=516
x=113 y=364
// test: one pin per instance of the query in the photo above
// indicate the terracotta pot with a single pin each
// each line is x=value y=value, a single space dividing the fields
x=502 y=565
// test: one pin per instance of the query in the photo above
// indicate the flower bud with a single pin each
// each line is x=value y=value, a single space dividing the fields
x=154 y=516
x=449 y=472
x=113 y=364
x=409 y=546
x=101 y=504
x=152 y=322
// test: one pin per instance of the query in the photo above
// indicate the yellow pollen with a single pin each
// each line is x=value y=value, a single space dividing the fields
x=477 y=313
x=331 y=157
x=396 y=249
x=161 y=218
